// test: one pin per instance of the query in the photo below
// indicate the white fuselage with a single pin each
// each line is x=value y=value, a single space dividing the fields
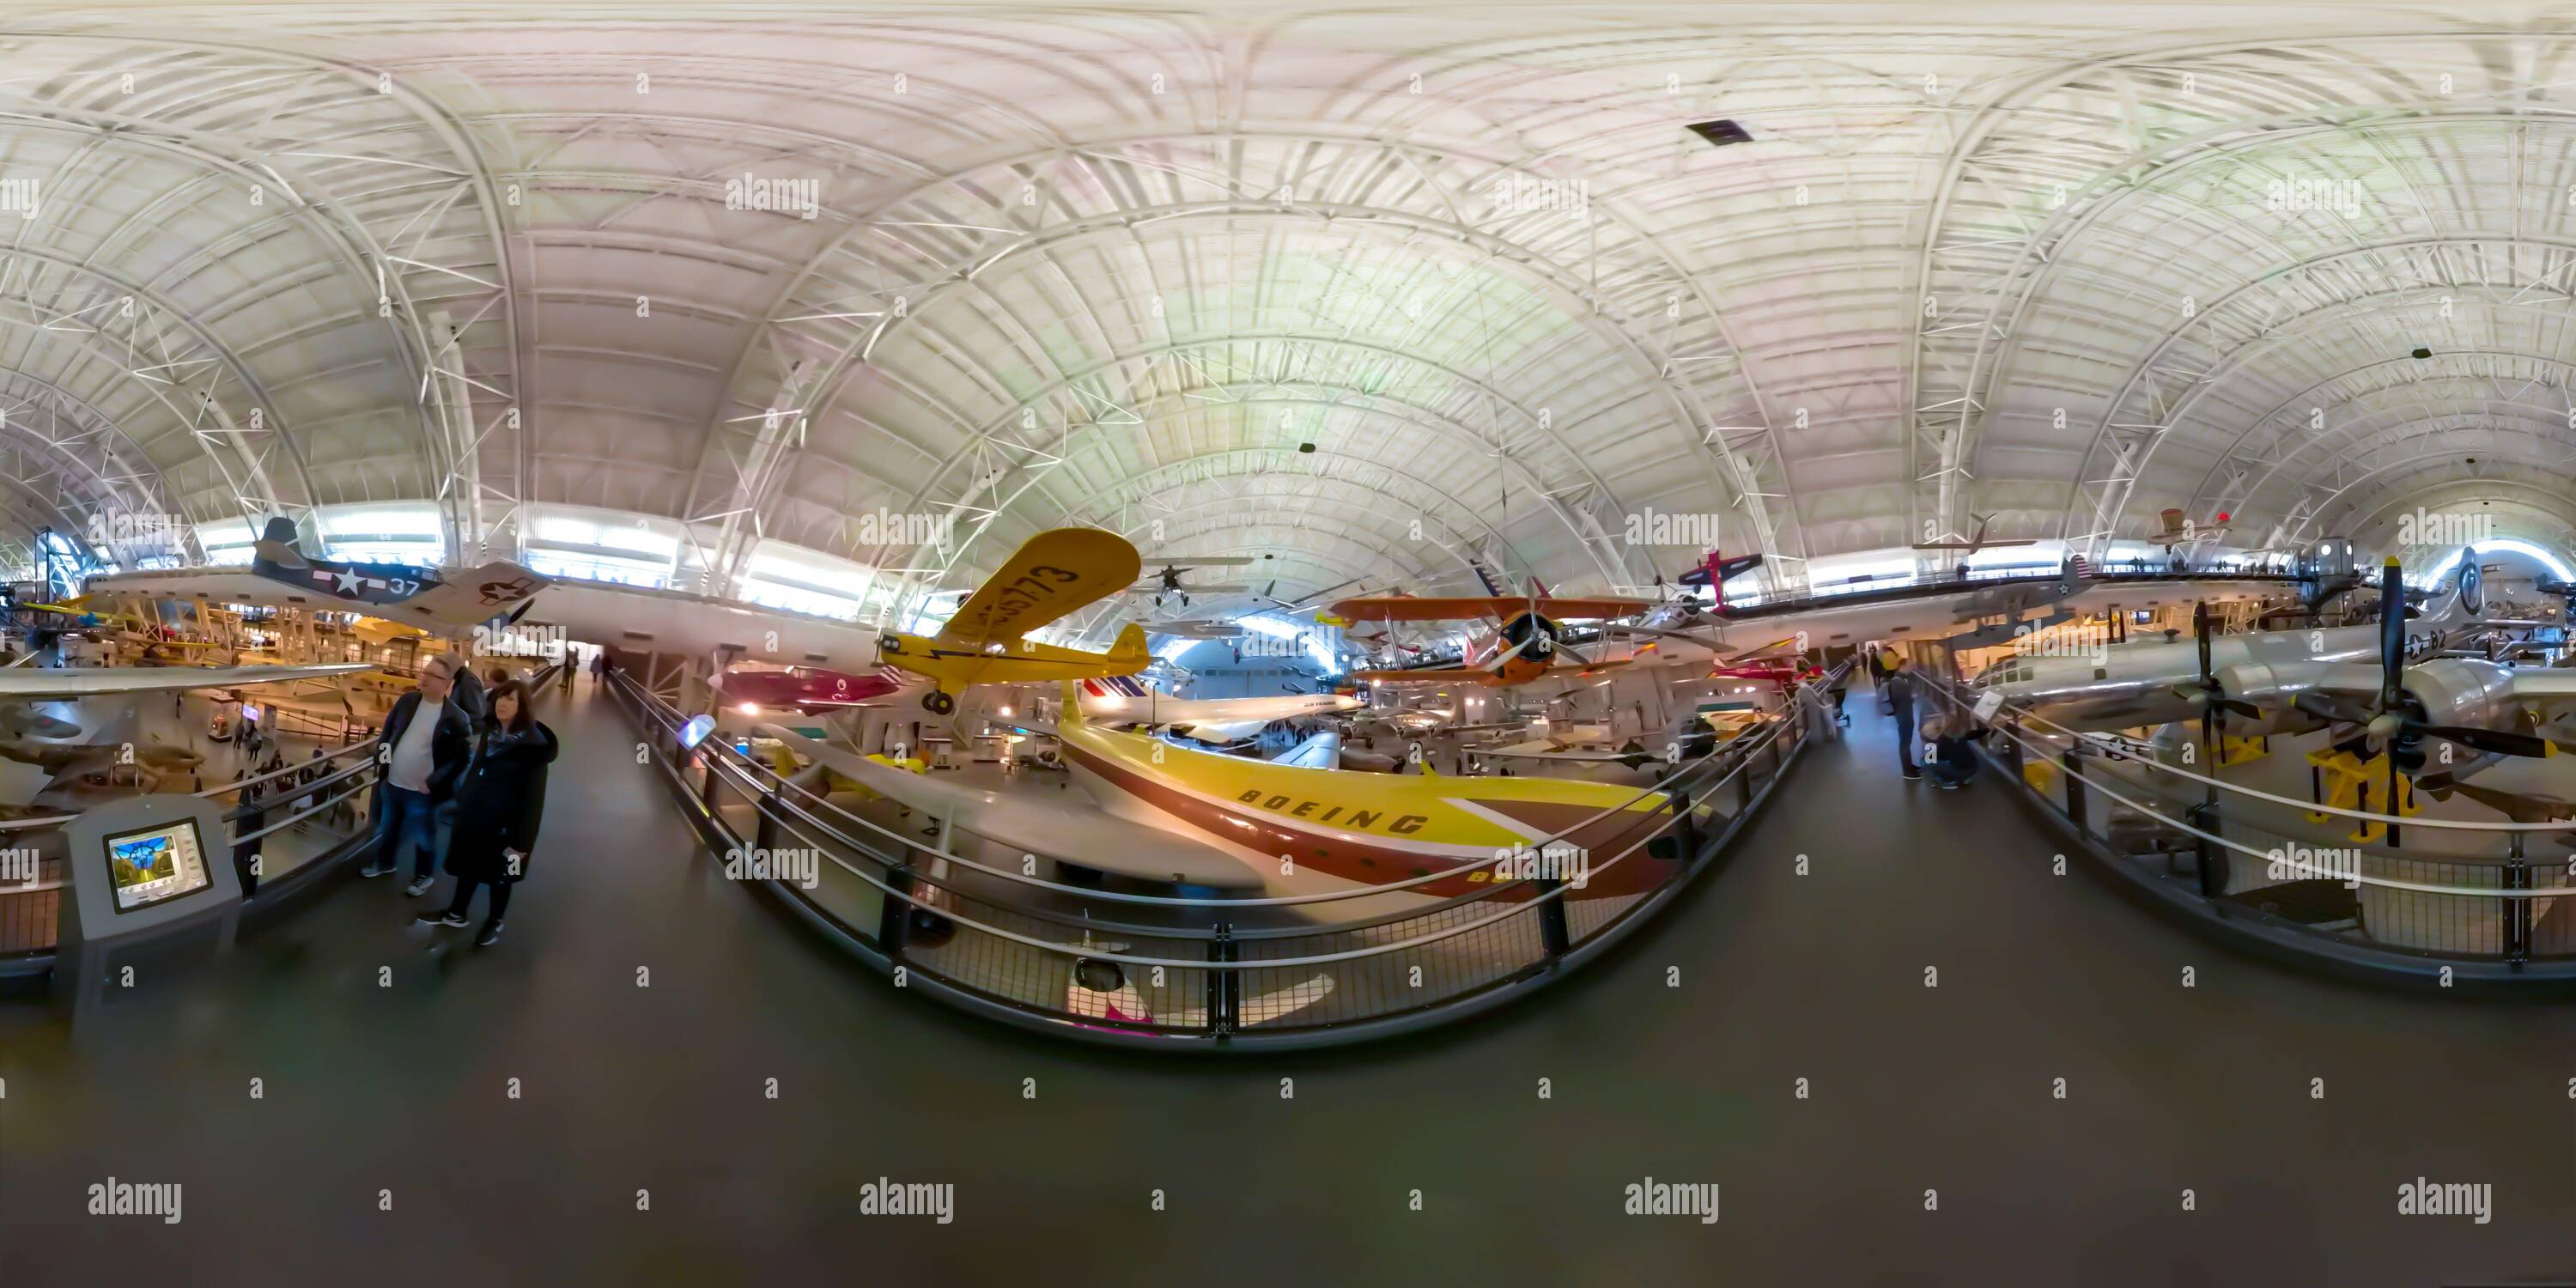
x=1239 y=716
x=669 y=621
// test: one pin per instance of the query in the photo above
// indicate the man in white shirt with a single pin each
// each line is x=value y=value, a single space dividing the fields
x=426 y=742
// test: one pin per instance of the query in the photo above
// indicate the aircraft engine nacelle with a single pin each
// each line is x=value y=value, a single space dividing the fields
x=1540 y=633
x=2462 y=691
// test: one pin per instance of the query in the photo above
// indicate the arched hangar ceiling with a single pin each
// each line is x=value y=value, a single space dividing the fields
x=1373 y=293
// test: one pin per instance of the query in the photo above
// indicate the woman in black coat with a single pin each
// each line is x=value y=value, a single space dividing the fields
x=500 y=799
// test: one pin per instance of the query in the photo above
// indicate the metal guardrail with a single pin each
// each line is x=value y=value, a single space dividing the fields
x=2466 y=901
x=1170 y=971
x=325 y=837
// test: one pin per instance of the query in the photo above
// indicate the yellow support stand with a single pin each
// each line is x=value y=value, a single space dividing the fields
x=2040 y=774
x=2348 y=777
x=2233 y=750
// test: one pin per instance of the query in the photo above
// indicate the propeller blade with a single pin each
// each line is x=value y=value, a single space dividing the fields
x=2392 y=634
x=2200 y=636
x=2331 y=709
x=2498 y=741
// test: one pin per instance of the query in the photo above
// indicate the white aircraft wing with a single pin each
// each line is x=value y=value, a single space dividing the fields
x=1321 y=751
x=26 y=684
x=1062 y=829
x=2544 y=687
x=1158 y=710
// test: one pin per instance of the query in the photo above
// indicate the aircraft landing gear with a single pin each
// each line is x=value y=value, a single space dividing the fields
x=938 y=702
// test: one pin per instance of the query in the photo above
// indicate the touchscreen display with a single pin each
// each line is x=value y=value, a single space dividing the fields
x=156 y=865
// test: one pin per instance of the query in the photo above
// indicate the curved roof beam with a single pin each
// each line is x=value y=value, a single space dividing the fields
x=2134 y=434
x=473 y=176
x=1748 y=482
x=1954 y=340
x=1238 y=456
x=1062 y=446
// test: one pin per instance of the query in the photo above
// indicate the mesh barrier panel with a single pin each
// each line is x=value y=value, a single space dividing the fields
x=889 y=879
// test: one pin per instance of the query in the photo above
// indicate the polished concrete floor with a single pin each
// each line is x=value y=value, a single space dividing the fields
x=400 y=1095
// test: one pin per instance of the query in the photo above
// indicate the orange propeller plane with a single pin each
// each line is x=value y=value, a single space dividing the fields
x=1523 y=648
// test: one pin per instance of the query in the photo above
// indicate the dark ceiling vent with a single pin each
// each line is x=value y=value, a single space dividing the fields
x=1720 y=133
x=2422 y=353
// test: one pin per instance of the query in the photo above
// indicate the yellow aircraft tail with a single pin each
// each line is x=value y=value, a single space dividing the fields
x=1130 y=649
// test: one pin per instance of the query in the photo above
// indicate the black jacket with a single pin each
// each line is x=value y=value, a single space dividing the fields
x=468 y=693
x=499 y=804
x=450 y=745
x=1899 y=688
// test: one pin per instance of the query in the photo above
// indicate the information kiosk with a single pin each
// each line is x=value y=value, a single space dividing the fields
x=152 y=896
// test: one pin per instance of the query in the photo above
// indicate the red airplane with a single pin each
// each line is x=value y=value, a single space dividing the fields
x=809 y=689
x=1778 y=673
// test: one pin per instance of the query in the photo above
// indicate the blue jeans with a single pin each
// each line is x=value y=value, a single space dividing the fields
x=1905 y=737
x=407 y=816
x=1955 y=773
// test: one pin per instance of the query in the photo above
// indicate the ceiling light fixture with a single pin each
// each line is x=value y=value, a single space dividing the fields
x=1720 y=133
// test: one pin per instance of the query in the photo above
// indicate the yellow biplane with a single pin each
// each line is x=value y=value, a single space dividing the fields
x=1055 y=574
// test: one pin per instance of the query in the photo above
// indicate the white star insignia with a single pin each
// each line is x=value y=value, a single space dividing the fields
x=348 y=581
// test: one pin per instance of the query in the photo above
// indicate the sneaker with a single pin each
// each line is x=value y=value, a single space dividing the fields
x=419 y=886
x=1946 y=785
x=371 y=870
x=451 y=920
x=1913 y=776
x=490 y=933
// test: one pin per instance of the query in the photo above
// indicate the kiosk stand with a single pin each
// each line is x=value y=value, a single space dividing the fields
x=152 y=891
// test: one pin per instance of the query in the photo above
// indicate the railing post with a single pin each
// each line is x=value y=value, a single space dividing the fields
x=2213 y=872
x=1224 y=990
x=2517 y=876
x=894 y=920
x=2074 y=790
x=1686 y=824
x=1553 y=936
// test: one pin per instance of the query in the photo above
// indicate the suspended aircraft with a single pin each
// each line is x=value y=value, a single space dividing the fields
x=448 y=601
x=1206 y=719
x=1065 y=831
x=1522 y=648
x=1980 y=541
x=809 y=689
x=1055 y=573
x=1369 y=828
x=2293 y=679
x=1168 y=581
